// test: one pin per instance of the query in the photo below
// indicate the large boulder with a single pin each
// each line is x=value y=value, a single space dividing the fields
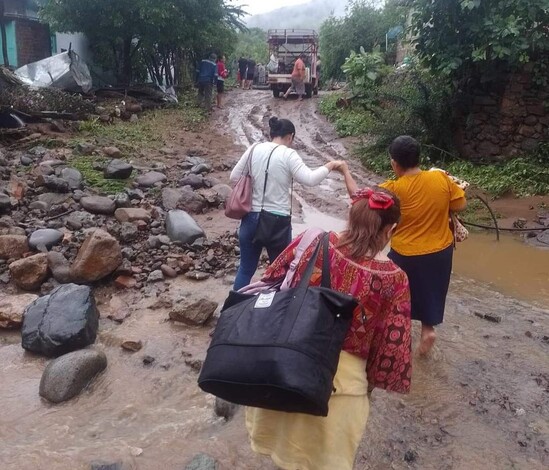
x=45 y=237
x=66 y=376
x=13 y=246
x=30 y=273
x=98 y=257
x=181 y=227
x=98 y=205
x=62 y=322
x=12 y=308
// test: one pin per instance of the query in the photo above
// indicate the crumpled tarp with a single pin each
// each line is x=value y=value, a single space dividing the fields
x=66 y=71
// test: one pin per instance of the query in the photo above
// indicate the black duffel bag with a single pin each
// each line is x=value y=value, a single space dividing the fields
x=280 y=350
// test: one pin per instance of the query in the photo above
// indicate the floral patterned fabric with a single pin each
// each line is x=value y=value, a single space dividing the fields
x=381 y=288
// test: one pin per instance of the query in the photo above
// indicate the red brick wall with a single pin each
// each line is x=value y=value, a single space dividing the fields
x=33 y=41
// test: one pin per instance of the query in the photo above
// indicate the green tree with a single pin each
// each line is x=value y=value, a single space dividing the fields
x=166 y=30
x=252 y=44
x=462 y=39
x=365 y=24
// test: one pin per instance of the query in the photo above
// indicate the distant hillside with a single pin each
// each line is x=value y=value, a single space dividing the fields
x=306 y=15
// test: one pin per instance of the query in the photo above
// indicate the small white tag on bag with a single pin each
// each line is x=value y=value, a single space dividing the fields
x=264 y=300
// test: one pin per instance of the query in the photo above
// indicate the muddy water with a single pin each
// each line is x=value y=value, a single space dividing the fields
x=480 y=401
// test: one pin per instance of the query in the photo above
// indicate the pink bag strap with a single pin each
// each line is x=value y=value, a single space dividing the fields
x=308 y=238
x=249 y=160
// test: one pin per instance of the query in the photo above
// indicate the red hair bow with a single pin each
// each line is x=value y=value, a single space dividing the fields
x=377 y=200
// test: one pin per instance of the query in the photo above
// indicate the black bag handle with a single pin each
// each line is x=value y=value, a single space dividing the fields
x=306 y=278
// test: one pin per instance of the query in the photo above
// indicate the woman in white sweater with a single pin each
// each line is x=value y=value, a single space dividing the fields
x=273 y=166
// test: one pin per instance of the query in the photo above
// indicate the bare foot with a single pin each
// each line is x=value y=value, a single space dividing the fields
x=427 y=341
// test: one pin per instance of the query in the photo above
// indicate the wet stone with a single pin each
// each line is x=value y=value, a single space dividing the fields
x=65 y=377
x=62 y=322
x=194 y=181
x=122 y=200
x=26 y=160
x=128 y=232
x=202 y=462
x=155 y=276
x=12 y=308
x=201 y=168
x=29 y=273
x=133 y=346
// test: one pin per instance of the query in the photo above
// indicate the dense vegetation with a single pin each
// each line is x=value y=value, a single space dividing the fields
x=161 y=37
x=457 y=45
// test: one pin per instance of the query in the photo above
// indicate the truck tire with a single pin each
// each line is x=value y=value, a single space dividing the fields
x=309 y=91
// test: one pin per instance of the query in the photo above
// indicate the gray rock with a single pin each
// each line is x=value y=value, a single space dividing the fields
x=73 y=177
x=222 y=191
x=39 y=206
x=202 y=462
x=150 y=179
x=98 y=205
x=5 y=202
x=85 y=148
x=194 y=181
x=135 y=194
x=112 y=152
x=38 y=151
x=66 y=376
x=45 y=237
x=192 y=201
x=77 y=195
x=59 y=267
x=118 y=169
x=194 y=161
x=122 y=200
x=53 y=199
x=106 y=466
x=201 y=169
x=53 y=183
x=128 y=232
x=195 y=313
x=170 y=198
x=156 y=276
x=181 y=227
x=26 y=160
x=62 y=322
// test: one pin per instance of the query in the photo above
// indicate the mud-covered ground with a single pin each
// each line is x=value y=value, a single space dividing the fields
x=480 y=401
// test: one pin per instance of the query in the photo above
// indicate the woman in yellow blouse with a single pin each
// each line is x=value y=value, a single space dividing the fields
x=423 y=242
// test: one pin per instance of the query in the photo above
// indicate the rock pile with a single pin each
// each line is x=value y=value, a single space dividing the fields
x=56 y=230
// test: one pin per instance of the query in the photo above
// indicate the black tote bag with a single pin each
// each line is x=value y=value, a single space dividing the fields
x=280 y=350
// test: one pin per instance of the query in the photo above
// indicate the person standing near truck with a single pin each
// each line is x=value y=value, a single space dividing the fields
x=250 y=74
x=222 y=74
x=298 y=79
x=242 y=70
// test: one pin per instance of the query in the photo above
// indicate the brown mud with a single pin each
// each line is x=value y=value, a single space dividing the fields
x=480 y=401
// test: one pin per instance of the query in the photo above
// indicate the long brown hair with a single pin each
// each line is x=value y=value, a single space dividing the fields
x=365 y=228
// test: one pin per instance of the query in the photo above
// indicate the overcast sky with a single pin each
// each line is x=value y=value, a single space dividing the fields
x=254 y=7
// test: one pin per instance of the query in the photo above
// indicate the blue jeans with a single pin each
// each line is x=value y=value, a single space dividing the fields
x=250 y=252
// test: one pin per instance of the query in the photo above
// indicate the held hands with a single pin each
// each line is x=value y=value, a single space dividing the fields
x=338 y=165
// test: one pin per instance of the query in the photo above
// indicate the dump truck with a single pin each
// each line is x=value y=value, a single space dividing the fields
x=285 y=46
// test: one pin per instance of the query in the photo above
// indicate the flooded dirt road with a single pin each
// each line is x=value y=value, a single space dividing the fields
x=481 y=401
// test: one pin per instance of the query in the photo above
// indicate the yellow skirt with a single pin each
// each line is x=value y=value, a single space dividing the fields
x=296 y=441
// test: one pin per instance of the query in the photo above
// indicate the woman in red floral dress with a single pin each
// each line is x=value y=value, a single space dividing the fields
x=376 y=352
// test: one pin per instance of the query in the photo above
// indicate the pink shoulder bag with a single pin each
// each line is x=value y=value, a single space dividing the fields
x=239 y=202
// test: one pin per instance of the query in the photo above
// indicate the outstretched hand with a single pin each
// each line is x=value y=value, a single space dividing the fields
x=337 y=165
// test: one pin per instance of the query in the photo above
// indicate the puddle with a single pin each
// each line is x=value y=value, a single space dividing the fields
x=509 y=266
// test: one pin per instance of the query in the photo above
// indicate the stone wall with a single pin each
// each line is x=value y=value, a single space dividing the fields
x=508 y=119
x=33 y=41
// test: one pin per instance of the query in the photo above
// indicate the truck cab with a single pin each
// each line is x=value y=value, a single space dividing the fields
x=286 y=46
